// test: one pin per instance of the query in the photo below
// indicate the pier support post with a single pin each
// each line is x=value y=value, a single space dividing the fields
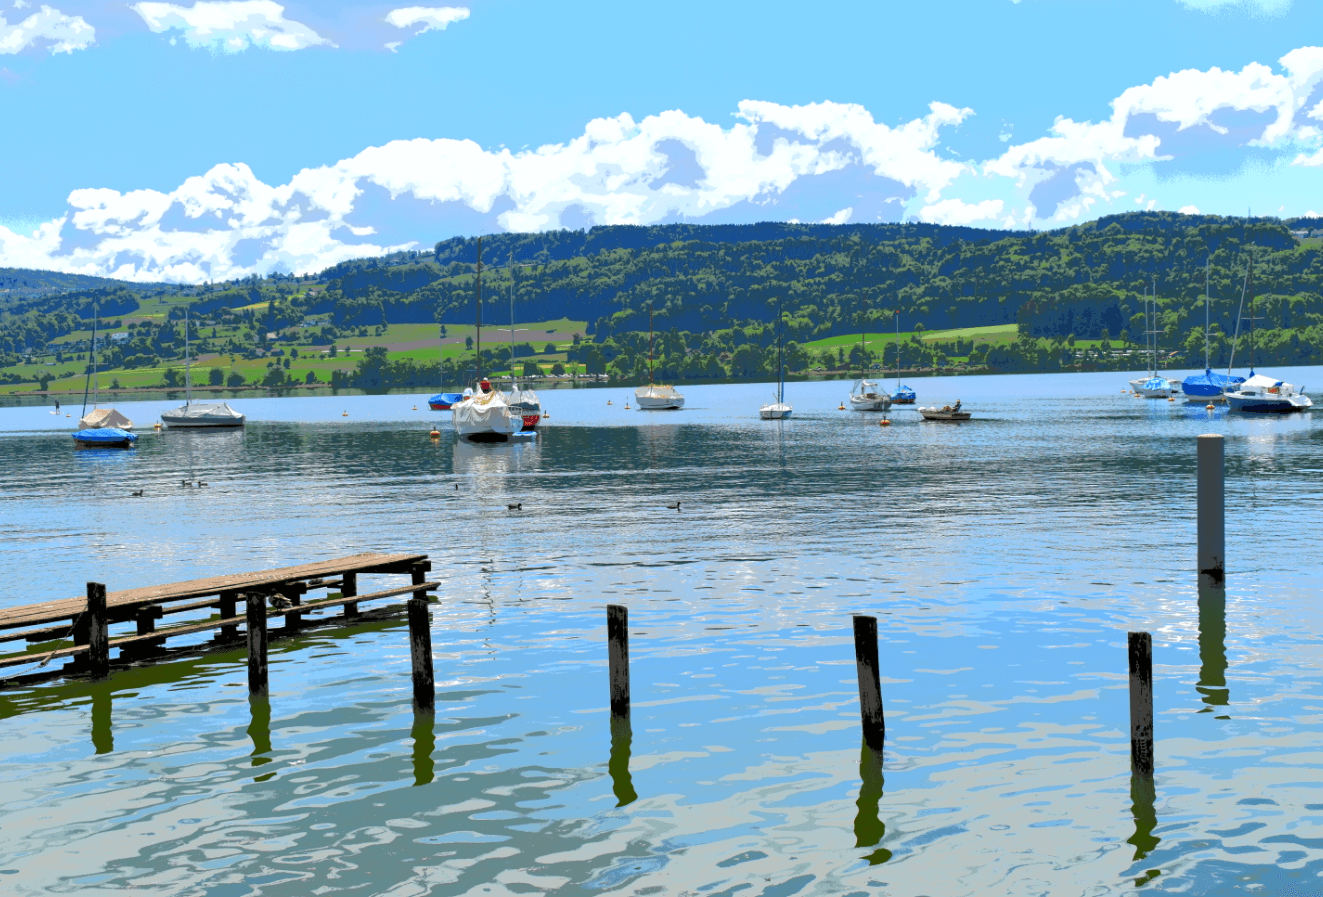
x=293 y=619
x=870 y=681
x=98 y=631
x=228 y=609
x=255 y=606
x=348 y=589
x=617 y=636
x=420 y=646
x=1141 y=703
x=145 y=619
x=1212 y=509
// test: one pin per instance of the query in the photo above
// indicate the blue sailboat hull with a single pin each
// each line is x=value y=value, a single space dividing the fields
x=105 y=437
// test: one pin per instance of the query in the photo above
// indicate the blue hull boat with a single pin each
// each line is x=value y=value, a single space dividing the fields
x=105 y=437
x=443 y=401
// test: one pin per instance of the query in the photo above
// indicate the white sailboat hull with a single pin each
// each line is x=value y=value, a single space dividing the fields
x=203 y=415
x=775 y=411
x=658 y=398
x=1171 y=388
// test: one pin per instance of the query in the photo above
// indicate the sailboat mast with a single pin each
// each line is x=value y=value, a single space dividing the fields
x=512 y=368
x=780 y=361
x=650 y=343
x=477 y=363
x=1250 y=283
x=897 y=317
x=96 y=379
x=1207 y=266
x=188 y=366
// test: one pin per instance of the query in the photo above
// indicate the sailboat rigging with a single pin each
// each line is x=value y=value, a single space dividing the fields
x=656 y=397
x=1208 y=385
x=778 y=410
x=197 y=415
x=484 y=414
x=1259 y=393
x=104 y=426
x=903 y=394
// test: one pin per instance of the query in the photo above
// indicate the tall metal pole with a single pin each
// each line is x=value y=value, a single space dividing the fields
x=477 y=365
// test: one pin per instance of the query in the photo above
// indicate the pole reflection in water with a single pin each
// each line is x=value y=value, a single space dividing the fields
x=1213 y=650
x=259 y=730
x=621 y=781
x=424 y=742
x=103 y=740
x=1142 y=796
x=868 y=828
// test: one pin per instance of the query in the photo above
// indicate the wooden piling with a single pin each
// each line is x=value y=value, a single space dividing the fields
x=293 y=619
x=145 y=619
x=255 y=607
x=1141 y=703
x=349 y=588
x=420 y=650
x=870 y=681
x=1211 y=488
x=617 y=636
x=98 y=631
x=229 y=610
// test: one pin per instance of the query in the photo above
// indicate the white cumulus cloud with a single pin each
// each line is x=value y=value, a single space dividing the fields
x=230 y=25
x=61 y=33
x=432 y=18
x=1260 y=7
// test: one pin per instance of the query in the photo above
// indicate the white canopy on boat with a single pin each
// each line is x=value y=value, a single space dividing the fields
x=101 y=418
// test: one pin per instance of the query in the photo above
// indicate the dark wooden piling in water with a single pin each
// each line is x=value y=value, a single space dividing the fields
x=255 y=605
x=1141 y=703
x=1211 y=514
x=870 y=681
x=420 y=646
x=617 y=637
x=348 y=589
x=229 y=610
x=98 y=631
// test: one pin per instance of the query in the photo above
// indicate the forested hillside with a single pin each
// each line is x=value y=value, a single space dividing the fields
x=1077 y=294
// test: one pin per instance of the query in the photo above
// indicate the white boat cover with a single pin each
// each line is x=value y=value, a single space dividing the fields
x=486 y=413
x=203 y=414
x=101 y=418
x=1271 y=385
x=658 y=396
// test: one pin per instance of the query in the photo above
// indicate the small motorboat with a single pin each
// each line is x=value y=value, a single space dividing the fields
x=443 y=401
x=946 y=412
x=1265 y=395
x=105 y=437
x=867 y=396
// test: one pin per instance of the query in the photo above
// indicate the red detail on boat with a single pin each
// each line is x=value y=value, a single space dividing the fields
x=530 y=421
x=439 y=406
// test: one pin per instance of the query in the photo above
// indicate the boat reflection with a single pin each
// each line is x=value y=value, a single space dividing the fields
x=103 y=738
x=1142 y=797
x=259 y=730
x=424 y=743
x=622 y=783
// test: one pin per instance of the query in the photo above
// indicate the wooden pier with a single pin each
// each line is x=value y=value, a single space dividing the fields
x=86 y=621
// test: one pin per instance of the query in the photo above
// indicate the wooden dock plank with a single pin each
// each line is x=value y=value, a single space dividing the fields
x=68 y=608
x=160 y=635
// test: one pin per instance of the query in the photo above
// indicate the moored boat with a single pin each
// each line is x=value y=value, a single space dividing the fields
x=1209 y=385
x=443 y=401
x=778 y=409
x=486 y=416
x=866 y=395
x=199 y=414
x=656 y=396
x=105 y=437
x=1266 y=395
x=1158 y=388
x=527 y=404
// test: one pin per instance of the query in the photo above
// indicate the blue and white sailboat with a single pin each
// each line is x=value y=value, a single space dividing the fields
x=1262 y=394
x=1153 y=386
x=903 y=394
x=103 y=428
x=1209 y=385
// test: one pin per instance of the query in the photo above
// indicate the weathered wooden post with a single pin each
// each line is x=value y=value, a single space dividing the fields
x=349 y=588
x=870 y=681
x=1141 y=703
x=255 y=607
x=1211 y=453
x=98 y=631
x=420 y=646
x=293 y=619
x=145 y=618
x=617 y=652
x=228 y=602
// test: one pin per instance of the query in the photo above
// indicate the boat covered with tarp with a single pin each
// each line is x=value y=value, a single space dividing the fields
x=105 y=437
x=102 y=418
x=903 y=396
x=1209 y=384
x=486 y=416
x=444 y=401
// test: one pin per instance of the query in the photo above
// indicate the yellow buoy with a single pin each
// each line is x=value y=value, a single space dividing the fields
x=840 y=407
x=884 y=423
x=415 y=407
x=1209 y=407
x=344 y=413
x=1171 y=398
x=435 y=434
x=156 y=426
x=608 y=401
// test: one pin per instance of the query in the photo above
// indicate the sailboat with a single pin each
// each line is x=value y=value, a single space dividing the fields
x=903 y=394
x=656 y=397
x=483 y=414
x=1154 y=386
x=103 y=427
x=99 y=418
x=867 y=395
x=1209 y=385
x=778 y=410
x=524 y=401
x=1261 y=394
x=199 y=414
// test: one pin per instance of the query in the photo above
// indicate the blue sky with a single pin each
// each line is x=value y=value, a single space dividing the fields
x=206 y=140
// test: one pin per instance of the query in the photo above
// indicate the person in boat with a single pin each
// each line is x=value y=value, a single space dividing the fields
x=956 y=407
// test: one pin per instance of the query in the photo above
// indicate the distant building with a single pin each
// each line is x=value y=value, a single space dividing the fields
x=118 y=337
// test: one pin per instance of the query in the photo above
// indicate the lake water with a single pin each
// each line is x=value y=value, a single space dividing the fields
x=1005 y=560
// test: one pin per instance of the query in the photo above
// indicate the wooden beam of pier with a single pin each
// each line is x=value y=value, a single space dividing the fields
x=123 y=605
x=159 y=635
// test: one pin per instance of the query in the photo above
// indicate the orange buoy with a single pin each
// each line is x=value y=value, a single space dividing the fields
x=344 y=413
x=1210 y=407
x=1171 y=398
x=884 y=423
x=435 y=434
x=840 y=407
